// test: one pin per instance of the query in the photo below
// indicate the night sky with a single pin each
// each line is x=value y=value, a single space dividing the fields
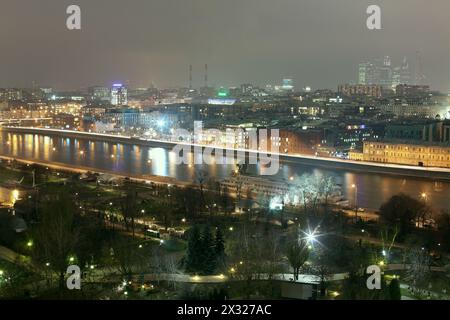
x=316 y=42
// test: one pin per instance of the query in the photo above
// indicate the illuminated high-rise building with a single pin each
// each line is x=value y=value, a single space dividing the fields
x=405 y=73
x=119 y=95
x=288 y=85
x=100 y=93
x=366 y=73
x=385 y=73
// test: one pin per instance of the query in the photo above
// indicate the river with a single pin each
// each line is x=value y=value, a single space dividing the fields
x=372 y=189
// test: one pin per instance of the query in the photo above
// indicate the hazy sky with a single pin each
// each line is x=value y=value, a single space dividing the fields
x=316 y=42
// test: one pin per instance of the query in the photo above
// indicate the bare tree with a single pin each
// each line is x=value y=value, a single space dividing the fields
x=56 y=235
x=419 y=269
x=130 y=208
x=202 y=178
x=297 y=253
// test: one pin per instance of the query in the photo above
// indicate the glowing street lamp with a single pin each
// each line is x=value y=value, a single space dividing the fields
x=424 y=196
x=310 y=237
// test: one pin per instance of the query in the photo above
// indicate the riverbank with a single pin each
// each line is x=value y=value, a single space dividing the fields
x=83 y=169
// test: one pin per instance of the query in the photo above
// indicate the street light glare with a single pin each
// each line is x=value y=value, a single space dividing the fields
x=310 y=237
x=161 y=123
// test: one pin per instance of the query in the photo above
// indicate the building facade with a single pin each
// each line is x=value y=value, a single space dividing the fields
x=119 y=95
x=365 y=90
x=424 y=155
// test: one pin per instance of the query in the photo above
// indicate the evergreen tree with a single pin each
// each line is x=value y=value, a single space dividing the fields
x=208 y=254
x=394 y=290
x=192 y=261
x=219 y=248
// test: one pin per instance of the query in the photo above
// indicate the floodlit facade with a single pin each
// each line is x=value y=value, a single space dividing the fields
x=426 y=155
x=119 y=95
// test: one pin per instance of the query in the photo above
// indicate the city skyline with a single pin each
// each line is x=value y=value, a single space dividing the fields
x=240 y=43
x=202 y=151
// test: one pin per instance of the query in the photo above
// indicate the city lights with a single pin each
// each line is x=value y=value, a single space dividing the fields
x=225 y=151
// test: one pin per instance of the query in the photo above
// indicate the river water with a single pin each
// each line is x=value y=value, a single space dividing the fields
x=372 y=189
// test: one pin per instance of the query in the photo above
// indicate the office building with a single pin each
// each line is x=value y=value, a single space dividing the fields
x=119 y=95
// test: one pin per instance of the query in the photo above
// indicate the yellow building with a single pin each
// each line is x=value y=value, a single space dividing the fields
x=356 y=155
x=426 y=155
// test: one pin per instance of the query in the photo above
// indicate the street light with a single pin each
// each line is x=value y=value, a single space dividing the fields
x=310 y=237
x=424 y=196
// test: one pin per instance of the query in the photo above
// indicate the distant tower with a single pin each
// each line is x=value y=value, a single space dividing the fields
x=419 y=76
x=33 y=89
x=405 y=76
x=206 y=75
x=190 y=77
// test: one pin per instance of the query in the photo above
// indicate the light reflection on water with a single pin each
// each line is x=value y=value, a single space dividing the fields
x=373 y=189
